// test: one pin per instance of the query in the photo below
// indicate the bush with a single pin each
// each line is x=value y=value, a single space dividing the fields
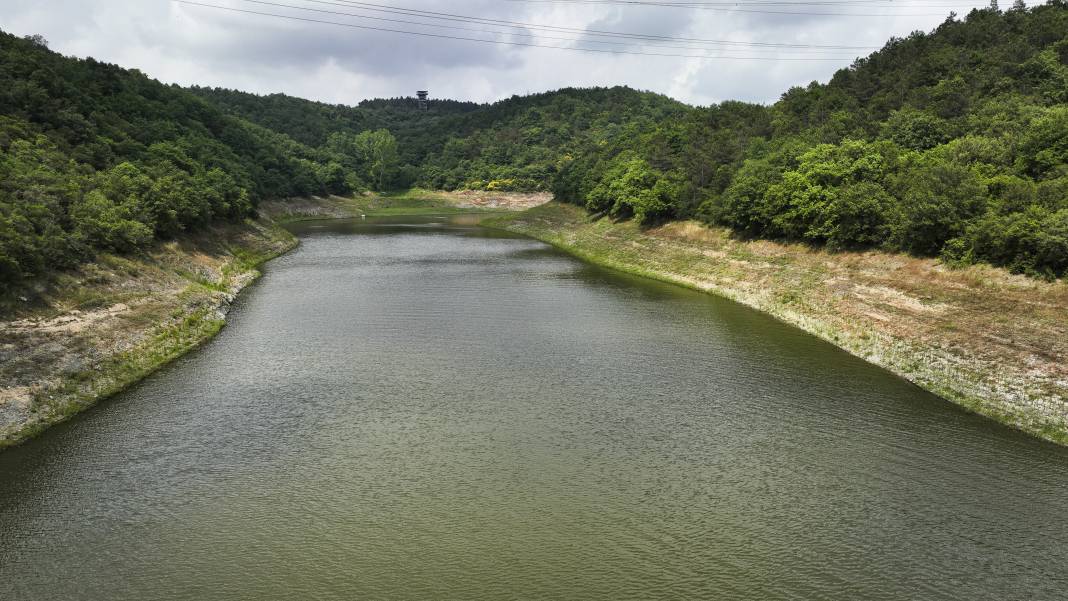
x=916 y=130
x=103 y=224
x=1034 y=241
x=935 y=201
x=630 y=187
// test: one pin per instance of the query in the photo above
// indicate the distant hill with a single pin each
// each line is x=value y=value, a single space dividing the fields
x=305 y=121
x=513 y=144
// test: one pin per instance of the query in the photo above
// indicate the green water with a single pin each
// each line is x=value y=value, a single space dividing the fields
x=421 y=409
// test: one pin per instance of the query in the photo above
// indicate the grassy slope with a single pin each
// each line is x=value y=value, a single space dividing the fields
x=983 y=338
x=92 y=332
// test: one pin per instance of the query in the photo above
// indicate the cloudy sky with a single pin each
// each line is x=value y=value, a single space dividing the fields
x=299 y=48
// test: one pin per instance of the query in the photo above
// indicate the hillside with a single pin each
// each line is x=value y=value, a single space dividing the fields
x=311 y=122
x=97 y=158
x=515 y=144
x=950 y=143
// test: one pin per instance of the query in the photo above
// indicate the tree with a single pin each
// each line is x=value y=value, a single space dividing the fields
x=103 y=224
x=37 y=40
x=1044 y=147
x=936 y=200
x=378 y=151
x=916 y=130
x=630 y=187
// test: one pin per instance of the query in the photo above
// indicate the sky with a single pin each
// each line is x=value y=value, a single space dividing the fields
x=774 y=45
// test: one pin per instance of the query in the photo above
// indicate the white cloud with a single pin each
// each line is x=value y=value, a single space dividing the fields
x=187 y=44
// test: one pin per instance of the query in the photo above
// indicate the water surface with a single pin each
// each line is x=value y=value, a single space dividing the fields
x=418 y=408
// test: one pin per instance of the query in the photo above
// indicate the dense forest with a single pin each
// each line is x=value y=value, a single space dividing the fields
x=512 y=145
x=96 y=157
x=952 y=143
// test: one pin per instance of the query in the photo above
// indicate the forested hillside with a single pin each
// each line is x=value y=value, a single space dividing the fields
x=514 y=144
x=950 y=143
x=93 y=156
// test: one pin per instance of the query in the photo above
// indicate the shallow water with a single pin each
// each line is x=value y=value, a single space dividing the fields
x=414 y=408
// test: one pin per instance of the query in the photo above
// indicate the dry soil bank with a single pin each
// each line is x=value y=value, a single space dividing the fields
x=81 y=336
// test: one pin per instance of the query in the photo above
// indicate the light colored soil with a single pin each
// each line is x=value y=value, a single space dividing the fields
x=90 y=332
x=480 y=199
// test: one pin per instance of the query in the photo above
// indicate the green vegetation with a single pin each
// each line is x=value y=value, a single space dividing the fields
x=98 y=158
x=950 y=143
x=514 y=145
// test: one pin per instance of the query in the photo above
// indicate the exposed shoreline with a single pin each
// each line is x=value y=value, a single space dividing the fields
x=162 y=305
x=989 y=341
x=104 y=327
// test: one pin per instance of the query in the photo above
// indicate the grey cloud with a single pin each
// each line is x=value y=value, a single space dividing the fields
x=256 y=39
x=646 y=20
x=185 y=44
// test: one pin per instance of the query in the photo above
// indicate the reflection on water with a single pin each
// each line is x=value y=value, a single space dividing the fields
x=415 y=408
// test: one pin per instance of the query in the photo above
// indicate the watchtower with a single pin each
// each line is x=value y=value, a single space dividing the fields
x=422 y=95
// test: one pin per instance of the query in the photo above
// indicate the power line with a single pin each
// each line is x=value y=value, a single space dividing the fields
x=518 y=34
x=499 y=42
x=734 y=9
x=561 y=28
x=739 y=3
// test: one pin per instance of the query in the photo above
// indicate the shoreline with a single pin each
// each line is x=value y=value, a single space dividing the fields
x=1031 y=396
x=182 y=292
x=896 y=312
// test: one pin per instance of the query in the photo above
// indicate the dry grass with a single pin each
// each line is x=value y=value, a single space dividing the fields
x=481 y=199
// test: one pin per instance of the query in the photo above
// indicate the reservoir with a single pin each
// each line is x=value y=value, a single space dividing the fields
x=421 y=408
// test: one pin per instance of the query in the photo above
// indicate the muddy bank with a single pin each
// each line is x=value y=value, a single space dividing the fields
x=80 y=336
x=990 y=341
